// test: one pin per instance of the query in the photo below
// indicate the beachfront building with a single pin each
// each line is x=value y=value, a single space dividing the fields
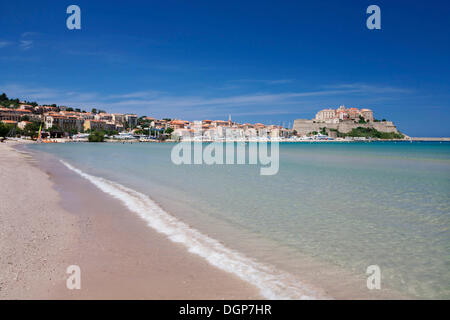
x=65 y=122
x=13 y=114
x=234 y=133
x=44 y=109
x=103 y=116
x=178 y=124
x=182 y=133
x=10 y=122
x=93 y=125
x=150 y=120
x=251 y=133
x=131 y=119
x=118 y=117
x=200 y=130
x=160 y=124
x=220 y=123
x=26 y=107
x=87 y=115
x=22 y=124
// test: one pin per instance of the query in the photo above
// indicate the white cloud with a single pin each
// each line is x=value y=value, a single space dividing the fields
x=162 y=104
x=29 y=34
x=4 y=44
x=268 y=82
x=365 y=88
x=137 y=94
x=26 y=44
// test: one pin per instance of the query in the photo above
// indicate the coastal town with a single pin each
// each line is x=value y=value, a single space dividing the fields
x=52 y=123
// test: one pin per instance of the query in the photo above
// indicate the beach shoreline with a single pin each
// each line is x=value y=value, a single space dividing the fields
x=52 y=219
x=36 y=234
x=121 y=257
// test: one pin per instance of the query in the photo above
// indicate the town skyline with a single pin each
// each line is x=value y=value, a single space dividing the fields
x=23 y=105
x=25 y=118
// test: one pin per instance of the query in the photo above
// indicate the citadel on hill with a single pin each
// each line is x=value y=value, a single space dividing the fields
x=342 y=121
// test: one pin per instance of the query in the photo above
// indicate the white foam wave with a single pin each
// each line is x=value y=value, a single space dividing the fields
x=272 y=283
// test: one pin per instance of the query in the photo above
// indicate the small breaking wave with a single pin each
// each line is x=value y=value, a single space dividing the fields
x=272 y=283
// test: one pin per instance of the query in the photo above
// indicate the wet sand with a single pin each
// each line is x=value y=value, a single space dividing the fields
x=51 y=218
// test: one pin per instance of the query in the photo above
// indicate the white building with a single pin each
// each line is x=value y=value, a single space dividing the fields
x=325 y=114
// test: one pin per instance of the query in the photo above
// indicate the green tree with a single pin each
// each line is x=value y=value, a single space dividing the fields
x=143 y=122
x=111 y=132
x=55 y=129
x=32 y=103
x=32 y=129
x=361 y=119
x=19 y=132
x=4 y=129
x=97 y=136
x=373 y=133
x=338 y=133
x=5 y=101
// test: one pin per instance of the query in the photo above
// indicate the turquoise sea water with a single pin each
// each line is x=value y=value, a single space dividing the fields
x=350 y=205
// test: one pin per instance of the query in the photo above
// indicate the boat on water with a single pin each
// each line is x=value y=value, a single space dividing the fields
x=124 y=136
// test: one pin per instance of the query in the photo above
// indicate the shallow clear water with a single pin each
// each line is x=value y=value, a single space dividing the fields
x=349 y=204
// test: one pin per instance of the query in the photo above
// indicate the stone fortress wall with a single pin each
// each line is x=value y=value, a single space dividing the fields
x=305 y=126
x=343 y=120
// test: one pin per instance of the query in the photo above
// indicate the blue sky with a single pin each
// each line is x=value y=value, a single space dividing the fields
x=260 y=61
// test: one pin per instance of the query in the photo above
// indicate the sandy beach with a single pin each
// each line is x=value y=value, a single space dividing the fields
x=51 y=219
